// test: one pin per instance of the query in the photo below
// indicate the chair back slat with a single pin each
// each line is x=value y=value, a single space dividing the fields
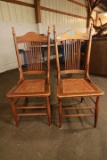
x=72 y=54
x=31 y=44
x=72 y=42
x=33 y=55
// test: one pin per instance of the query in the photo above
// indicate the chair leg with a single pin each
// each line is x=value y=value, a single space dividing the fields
x=96 y=111
x=24 y=104
x=60 y=113
x=14 y=112
x=48 y=110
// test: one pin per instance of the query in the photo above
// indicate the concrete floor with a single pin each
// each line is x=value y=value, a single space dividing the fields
x=35 y=140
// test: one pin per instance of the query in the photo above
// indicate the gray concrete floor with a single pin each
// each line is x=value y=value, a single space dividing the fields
x=35 y=140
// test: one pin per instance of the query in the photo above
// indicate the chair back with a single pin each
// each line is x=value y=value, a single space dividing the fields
x=73 y=42
x=32 y=44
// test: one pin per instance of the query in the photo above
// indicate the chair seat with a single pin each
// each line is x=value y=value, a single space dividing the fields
x=30 y=88
x=77 y=87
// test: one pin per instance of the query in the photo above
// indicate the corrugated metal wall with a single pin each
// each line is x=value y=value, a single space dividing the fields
x=16 y=13
x=51 y=18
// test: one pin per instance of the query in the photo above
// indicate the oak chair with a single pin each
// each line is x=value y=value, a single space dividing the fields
x=34 y=82
x=73 y=79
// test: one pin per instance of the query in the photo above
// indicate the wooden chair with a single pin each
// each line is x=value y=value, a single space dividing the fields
x=38 y=84
x=73 y=79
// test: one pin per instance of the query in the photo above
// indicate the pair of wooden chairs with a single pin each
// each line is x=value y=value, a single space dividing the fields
x=68 y=86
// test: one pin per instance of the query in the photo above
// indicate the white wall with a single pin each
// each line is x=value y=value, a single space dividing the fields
x=7 y=51
x=23 y=20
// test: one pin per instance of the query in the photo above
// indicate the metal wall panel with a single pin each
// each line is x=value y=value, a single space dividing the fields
x=81 y=1
x=16 y=13
x=45 y=3
x=5 y=11
x=12 y=12
x=51 y=18
x=31 y=16
x=1 y=13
